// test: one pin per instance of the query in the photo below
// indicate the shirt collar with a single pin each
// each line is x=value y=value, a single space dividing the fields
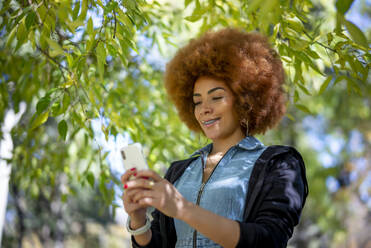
x=205 y=149
x=249 y=143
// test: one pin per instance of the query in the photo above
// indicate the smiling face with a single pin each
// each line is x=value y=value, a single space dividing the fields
x=214 y=109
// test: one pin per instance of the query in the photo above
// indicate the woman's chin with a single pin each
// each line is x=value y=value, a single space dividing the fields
x=212 y=135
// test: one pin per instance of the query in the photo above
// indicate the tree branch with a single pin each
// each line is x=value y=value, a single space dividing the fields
x=319 y=43
x=60 y=66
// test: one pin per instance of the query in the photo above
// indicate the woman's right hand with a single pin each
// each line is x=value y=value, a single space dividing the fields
x=136 y=211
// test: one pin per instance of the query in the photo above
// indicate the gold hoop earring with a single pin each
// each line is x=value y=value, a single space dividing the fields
x=245 y=124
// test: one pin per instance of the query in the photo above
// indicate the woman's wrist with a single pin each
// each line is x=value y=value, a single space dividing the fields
x=186 y=211
x=136 y=223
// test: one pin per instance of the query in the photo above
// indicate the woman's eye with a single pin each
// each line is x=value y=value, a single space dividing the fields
x=217 y=97
x=196 y=103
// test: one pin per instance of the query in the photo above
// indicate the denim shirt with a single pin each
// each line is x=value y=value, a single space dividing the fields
x=224 y=192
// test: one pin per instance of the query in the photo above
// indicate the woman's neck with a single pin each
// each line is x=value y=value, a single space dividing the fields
x=221 y=146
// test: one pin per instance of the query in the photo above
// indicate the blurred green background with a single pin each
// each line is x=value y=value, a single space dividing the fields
x=80 y=79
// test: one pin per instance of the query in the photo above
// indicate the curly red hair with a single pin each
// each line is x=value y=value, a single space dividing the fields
x=245 y=62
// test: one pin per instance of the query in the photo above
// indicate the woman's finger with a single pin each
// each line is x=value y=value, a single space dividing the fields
x=149 y=174
x=130 y=195
x=146 y=201
x=132 y=207
x=126 y=176
x=129 y=205
x=139 y=183
x=141 y=194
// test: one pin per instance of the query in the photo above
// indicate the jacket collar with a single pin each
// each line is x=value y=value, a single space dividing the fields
x=248 y=143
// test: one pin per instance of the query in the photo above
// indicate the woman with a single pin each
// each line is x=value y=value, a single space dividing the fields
x=235 y=192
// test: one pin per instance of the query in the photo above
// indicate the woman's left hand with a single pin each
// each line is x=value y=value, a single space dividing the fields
x=159 y=193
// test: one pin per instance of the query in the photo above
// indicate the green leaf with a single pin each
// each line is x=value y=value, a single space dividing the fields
x=11 y=36
x=91 y=179
x=56 y=108
x=42 y=104
x=75 y=24
x=43 y=37
x=197 y=13
x=51 y=91
x=330 y=37
x=112 y=50
x=304 y=89
x=290 y=117
x=89 y=44
x=70 y=60
x=101 y=58
x=56 y=48
x=30 y=19
x=21 y=32
x=253 y=5
x=90 y=28
x=309 y=62
x=303 y=108
x=186 y=3
x=62 y=129
x=65 y=102
x=343 y=5
x=340 y=79
x=40 y=119
x=75 y=11
x=64 y=198
x=312 y=53
x=353 y=85
x=295 y=23
x=84 y=9
x=193 y=18
x=268 y=12
x=296 y=96
x=324 y=85
x=356 y=34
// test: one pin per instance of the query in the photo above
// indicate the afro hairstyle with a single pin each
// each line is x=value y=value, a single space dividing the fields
x=245 y=62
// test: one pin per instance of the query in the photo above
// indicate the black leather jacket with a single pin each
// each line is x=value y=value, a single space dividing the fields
x=276 y=196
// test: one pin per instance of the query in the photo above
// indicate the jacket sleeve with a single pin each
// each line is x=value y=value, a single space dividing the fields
x=279 y=203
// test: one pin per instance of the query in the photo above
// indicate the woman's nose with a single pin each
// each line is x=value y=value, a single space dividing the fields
x=206 y=109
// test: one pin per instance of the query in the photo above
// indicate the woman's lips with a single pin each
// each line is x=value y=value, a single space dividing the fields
x=211 y=122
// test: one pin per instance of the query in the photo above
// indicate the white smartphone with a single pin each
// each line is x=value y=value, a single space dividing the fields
x=133 y=157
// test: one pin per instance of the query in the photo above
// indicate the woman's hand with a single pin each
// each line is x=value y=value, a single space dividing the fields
x=135 y=210
x=152 y=190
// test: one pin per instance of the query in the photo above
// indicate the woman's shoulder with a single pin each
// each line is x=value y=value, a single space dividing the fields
x=280 y=152
x=278 y=160
x=283 y=162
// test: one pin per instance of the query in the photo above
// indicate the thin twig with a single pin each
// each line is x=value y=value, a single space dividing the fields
x=319 y=43
x=37 y=13
x=114 y=31
x=328 y=55
x=60 y=66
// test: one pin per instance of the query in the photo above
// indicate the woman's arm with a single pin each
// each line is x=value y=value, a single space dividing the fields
x=165 y=197
x=221 y=230
x=154 y=240
x=142 y=239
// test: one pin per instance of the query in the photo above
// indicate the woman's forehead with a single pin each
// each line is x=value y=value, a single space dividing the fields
x=204 y=84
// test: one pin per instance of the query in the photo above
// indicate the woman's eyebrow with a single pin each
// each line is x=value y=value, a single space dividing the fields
x=210 y=91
